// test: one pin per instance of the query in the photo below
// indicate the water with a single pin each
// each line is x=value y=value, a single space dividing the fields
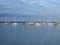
x=29 y=35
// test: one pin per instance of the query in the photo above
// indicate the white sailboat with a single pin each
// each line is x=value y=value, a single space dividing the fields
x=52 y=23
x=14 y=22
x=30 y=22
x=39 y=23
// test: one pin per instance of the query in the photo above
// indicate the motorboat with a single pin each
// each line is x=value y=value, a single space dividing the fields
x=14 y=24
x=31 y=23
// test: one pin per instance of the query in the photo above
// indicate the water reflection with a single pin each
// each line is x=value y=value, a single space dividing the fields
x=14 y=24
x=41 y=35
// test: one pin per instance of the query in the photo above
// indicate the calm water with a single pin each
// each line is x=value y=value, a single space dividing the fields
x=29 y=35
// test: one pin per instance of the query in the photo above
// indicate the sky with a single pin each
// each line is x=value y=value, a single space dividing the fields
x=30 y=7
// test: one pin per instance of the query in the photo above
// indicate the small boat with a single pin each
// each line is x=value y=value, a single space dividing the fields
x=52 y=23
x=31 y=23
x=6 y=23
x=14 y=24
x=38 y=24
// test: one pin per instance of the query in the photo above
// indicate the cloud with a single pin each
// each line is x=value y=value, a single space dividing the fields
x=33 y=7
x=30 y=1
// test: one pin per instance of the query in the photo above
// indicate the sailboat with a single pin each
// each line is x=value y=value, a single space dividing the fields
x=52 y=23
x=39 y=23
x=30 y=22
x=6 y=22
x=14 y=23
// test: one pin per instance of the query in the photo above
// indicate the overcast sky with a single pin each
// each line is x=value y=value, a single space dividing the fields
x=30 y=7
